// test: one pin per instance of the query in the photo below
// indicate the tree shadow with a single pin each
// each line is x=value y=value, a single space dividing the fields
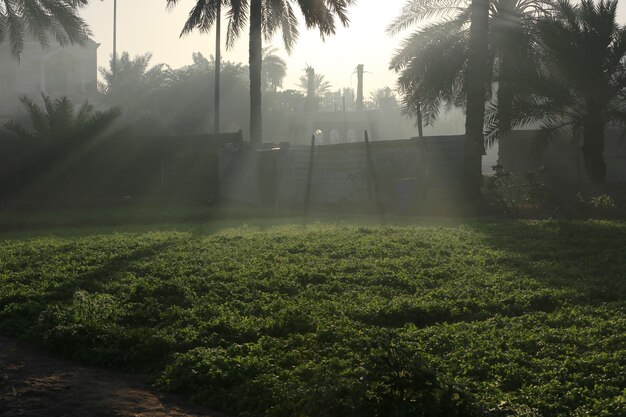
x=585 y=258
x=97 y=279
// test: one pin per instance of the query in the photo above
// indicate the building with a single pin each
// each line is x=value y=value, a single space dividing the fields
x=54 y=70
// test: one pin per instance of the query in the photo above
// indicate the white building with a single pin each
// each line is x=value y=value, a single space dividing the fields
x=54 y=70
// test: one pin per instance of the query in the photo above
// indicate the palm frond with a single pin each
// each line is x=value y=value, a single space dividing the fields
x=418 y=11
x=38 y=117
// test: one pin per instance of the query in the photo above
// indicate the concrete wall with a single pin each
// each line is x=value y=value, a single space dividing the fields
x=414 y=171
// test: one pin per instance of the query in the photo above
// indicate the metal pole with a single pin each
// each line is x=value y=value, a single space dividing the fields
x=218 y=58
x=114 y=62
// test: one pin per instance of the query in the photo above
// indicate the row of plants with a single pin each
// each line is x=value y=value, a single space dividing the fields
x=502 y=319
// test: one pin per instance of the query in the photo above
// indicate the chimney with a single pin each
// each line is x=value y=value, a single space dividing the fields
x=359 y=88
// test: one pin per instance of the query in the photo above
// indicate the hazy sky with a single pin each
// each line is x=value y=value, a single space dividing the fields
x=146 y=26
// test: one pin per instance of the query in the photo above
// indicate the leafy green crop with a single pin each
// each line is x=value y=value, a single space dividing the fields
x=328 y=319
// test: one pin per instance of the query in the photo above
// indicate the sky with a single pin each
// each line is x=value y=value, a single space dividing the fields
x=146 y=26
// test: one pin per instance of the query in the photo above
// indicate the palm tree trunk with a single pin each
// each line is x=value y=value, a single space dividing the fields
x=476 y=81
x=510 y=45
x=593 y=149
x=505 y=93
x=256 y=63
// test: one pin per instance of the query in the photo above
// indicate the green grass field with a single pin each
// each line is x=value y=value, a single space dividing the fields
x=277 y=317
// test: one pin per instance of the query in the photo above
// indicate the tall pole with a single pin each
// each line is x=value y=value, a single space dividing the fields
x=218 y=58
x=359 y=88
x=114 y=61
x=420 y=121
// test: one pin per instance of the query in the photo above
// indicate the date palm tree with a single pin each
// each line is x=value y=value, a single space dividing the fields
x=57 y=123
x=53 y=136
x=384 y=99
x=581 y=83
x=433 y=59
x=320 y=85
x=41 y=19
x=274 y=69
x=265 y=19
x=454 y=61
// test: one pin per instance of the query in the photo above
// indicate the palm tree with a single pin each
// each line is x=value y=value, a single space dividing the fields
x=453 y=61
x=476 y=84
x=133 y=81
x=582 y=81
x=320 y=85
x=41 y=19
x=265 y=19
x=274 y=69
x=432 y=61
x=384 y=99
x=58 y=123
x=53 y=136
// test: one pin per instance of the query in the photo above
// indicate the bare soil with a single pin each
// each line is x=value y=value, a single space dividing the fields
x=35 y=384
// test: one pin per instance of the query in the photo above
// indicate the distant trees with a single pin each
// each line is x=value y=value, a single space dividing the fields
x=384 y=99
x=135 y=82
x=157 y=98
x=274 y=69
x=320 y=85
x=41 y=19
x=265 y=18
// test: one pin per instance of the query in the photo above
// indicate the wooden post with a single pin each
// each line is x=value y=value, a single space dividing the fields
x=309 y=185
x=372 y=174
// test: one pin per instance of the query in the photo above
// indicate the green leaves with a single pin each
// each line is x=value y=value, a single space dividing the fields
x=42 y=19
x=326 y=319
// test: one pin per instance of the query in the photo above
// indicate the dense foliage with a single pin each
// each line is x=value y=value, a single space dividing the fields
x=157 y=99
x=503 y=319
x=581 y=83
x=46 y=148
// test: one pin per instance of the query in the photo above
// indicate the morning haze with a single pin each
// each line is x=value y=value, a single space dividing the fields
x=265 y=235
x=146 y=26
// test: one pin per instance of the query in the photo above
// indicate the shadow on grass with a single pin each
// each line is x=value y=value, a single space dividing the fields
x=586 y=257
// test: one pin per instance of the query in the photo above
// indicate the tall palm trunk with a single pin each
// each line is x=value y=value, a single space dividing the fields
x=476 y=82
x=509 y=43
x=256 y=64
x=505 y=92
x=593 y=148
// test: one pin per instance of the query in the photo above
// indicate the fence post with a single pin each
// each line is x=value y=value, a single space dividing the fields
x=307 y=197
x=372 y=174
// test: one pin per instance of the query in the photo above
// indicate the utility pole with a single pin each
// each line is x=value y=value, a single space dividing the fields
x=218 y=58
x=359 y=88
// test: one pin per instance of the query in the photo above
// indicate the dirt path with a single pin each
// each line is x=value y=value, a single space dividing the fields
x=34 y=384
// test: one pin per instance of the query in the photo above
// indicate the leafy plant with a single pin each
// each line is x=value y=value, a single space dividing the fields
x=277 y=318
